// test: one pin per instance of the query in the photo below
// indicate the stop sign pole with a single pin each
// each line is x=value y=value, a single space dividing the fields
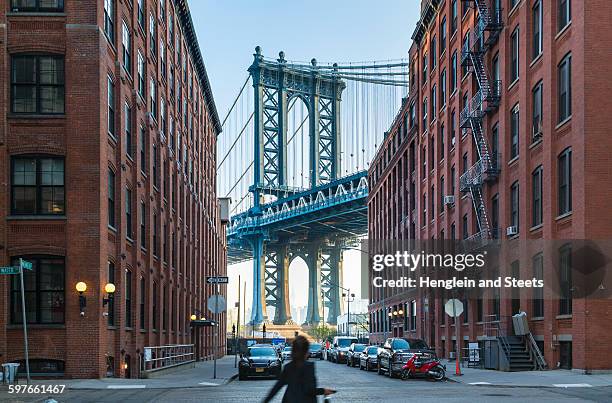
x=457 y=349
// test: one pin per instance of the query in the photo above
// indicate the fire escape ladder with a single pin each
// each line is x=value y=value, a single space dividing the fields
x=482 y=218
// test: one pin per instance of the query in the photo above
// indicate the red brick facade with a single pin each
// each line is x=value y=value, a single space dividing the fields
x=175 y=241
x=407 y=173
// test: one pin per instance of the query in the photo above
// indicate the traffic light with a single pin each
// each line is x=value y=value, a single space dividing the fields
x=234 y=330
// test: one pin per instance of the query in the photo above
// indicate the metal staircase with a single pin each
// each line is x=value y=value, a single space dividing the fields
x=485 y=100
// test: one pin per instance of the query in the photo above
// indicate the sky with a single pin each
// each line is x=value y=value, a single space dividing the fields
x=328 y=30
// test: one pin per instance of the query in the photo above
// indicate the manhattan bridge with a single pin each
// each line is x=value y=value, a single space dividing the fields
x=293 y=157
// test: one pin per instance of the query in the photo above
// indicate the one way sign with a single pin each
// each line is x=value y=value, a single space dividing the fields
x=217 y=280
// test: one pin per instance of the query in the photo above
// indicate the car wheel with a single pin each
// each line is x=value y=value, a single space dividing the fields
x=241 y=376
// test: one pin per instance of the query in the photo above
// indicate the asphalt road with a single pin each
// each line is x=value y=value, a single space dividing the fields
x=352 y=385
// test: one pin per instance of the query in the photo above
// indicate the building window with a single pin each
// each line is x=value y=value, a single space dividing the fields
x=514 y=132
x=434 y=53
x=141 y=14
x=143 y=299
x=536 y=15
x=465 y=227
x=143 y=224
x=155 y=167
x=565 y=280
x=424 y=68
x=109 y=19
x=514 y=55
x=153 y=99
x=537 y=206
x=126 y=40
x=155 y=236
x=465 y=51
x=111 y=302
x=128 y=131
x=538 y=292
x=141 y=76
x=514 y=205
x=162 y=115
x=565 y=88
x=111 y=106
x=443 y=35
x=495 y=216
x=111 y=198
x=37 y=84
x=154 y=305
x=564 y=13
x=453 y=180
x=442 y=142
x=152 y=34
x=454 y=72
x=143 y=150
x=537 y=99
x=48 y=6
x=565 y=181
x=37 y=186
x=413 y=315
x=453 y=17
x=443 y=89
x=434 y=103
x=44 y=289
x=162 y=58
x=128 y=213
x=425 y=114
x=128 y=298
x=453 y=133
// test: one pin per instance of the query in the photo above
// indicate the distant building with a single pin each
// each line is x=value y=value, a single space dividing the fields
x=358 y=325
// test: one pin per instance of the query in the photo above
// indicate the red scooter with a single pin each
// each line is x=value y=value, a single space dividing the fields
x=417 y=365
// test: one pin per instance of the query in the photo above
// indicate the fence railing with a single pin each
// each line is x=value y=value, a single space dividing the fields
x=159 y=357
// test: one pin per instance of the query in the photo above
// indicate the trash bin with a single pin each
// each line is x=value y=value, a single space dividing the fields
x=10 y=372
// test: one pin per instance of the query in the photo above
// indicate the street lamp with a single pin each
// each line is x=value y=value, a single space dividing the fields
x=349 y=298
x=81 y=287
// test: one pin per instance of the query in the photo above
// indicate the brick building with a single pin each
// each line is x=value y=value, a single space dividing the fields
x=107 y=160
x=503 y=138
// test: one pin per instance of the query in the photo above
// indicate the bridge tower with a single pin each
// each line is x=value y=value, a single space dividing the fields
x=275 y=84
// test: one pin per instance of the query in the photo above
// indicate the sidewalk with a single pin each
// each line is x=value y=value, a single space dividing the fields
x=558 y=378
x=198 y=377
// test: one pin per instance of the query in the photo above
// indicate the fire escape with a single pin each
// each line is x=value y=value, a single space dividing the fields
x=487 y=99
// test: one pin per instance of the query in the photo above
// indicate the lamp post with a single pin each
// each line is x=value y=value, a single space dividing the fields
x=349 y=298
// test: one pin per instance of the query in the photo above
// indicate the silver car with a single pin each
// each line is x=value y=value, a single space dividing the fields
x=368 y=359
x=286 y=354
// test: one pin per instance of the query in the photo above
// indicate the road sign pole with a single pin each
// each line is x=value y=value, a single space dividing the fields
x=216 y=335
x=457 y=349
x=25 y=325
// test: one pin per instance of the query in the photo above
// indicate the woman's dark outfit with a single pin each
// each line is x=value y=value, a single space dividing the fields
x=301 y=383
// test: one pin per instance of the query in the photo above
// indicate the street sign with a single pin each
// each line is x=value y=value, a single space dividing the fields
x=453 y=308
x=216 y=304
x=217 y=280
x=25 y=265
x=9 y=270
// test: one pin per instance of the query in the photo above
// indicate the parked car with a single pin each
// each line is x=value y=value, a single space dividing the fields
x=368 y=359
x=286 y=353
x=340 y=348
x=396 y=352
x=315 y=351
x=259 y=361
x=354 y=351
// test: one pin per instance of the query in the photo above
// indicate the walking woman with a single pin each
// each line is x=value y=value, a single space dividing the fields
x=299 y=376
